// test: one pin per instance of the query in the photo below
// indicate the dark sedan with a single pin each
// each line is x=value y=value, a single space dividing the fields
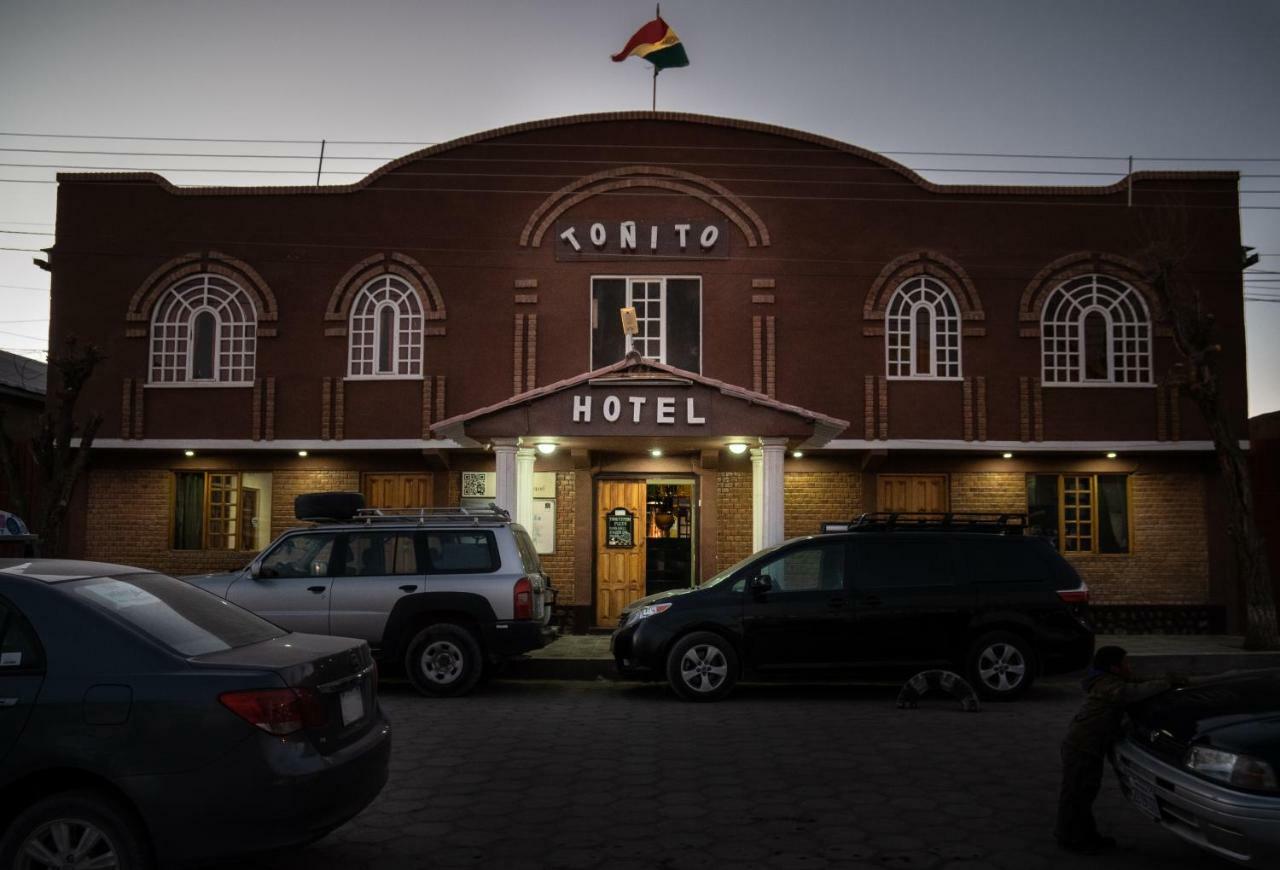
x=144 y=722
x=1204 y=762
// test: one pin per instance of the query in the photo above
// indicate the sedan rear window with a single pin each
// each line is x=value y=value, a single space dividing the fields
x=186 y=619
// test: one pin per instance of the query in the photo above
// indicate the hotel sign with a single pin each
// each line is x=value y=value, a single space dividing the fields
x=616 y=240
x=635 y=410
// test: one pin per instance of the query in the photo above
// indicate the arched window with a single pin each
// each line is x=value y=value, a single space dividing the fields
x=386 y=330
x=204 y=331
x=1095 y=330
x=922 y=338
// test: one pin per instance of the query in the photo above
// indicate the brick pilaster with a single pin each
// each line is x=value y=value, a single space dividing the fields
x=967 y=405
x=982 y=408
x=869 y=407
x=270 y=411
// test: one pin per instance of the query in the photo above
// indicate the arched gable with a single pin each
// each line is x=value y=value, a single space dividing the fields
x=1073 y=266
x=935 y=265
x=344 y=292
x=201 y=262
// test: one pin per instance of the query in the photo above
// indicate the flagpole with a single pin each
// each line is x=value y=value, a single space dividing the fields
x=657 y=13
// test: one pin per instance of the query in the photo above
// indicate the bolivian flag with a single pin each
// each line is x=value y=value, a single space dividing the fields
x=657 y=43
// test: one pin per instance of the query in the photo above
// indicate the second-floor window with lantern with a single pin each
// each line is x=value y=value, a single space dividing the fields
x=668 y=318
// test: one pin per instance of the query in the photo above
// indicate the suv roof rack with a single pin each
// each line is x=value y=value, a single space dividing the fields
x=424 y=515
x=951 y=521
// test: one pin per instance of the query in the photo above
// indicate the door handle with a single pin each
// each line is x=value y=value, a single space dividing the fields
x=316 y=589
x=870 y=601
x=8 y=702
x=408 y=587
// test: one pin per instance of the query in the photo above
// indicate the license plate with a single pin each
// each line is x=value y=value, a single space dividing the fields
x=352 y=705
x=1144 y=797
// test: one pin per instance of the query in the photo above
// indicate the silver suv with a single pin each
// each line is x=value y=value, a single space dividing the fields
x=451 y=593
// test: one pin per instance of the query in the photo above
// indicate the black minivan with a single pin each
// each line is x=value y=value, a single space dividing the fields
x=998 y=606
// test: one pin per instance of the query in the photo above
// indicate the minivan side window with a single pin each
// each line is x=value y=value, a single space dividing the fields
x=450 y=552
x=299 y=556
x=806 y=569
x=892 y=561
x=19 y=650
x=378 y=554
x=528 y=552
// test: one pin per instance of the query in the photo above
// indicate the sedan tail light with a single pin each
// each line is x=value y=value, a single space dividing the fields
x=277 y=711
x=523 y=601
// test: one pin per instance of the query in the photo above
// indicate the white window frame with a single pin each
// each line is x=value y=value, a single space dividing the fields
x=629 y=279
x=1062 y=336
x=945 y=325
x=364 y=307
x=173 y=333
x=661 y=319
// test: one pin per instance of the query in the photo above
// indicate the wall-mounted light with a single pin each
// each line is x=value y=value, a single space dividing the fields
x=302 y=453
x=1111 y=455
x=737 y=448
x=1006 y=455
x=797 y=454
x=655 y=452
x=188 y=453
x=546 y=448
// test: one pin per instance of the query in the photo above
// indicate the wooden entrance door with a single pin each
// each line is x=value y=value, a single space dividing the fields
x=397 y=491
x=911 y=493
x=620 y=570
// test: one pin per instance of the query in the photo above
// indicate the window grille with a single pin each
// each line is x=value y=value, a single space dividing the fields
x=386 y=330
x=1095 y=329
x=204 y=330
x=922 y=338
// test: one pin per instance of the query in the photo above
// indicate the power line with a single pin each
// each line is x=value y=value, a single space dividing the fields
x=668 y=146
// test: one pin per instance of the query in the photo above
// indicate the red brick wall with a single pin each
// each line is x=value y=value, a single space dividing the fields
x=561 y=564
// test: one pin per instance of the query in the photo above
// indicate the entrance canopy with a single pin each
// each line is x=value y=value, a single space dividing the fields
x=637 y=398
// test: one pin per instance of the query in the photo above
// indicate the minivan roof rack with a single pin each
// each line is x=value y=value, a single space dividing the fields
x=955 y=521
x=424 y=515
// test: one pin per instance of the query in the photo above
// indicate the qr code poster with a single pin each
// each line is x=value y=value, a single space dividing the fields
x=479 y=484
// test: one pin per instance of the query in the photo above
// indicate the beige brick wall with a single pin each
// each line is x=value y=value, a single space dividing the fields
x=989 y=491
x=733 y=517
x=815 y=497
x=1170 y=559
x=561 y=564
x=287 y=485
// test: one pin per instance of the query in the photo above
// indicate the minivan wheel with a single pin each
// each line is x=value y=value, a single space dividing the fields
x=702 y=667
x=1001 y=665
x=443 y=661
x=74 y=829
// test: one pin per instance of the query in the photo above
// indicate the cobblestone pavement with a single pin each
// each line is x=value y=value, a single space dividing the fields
x=614 y=775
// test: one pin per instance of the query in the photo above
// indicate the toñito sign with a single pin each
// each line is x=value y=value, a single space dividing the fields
x=608 y=240
x=666 y=410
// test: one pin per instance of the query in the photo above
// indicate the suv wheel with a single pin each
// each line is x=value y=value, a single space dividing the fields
x=1001 y=665
x=75 y=829
x=702 y=667
x=444 y=660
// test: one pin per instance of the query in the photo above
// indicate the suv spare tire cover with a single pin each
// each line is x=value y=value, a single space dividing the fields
x=327 y=505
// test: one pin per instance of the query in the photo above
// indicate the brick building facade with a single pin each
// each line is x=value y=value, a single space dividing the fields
x=815 y=332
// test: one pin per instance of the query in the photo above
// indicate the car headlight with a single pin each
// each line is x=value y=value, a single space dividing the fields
x=1241 y=771
x=647 y=611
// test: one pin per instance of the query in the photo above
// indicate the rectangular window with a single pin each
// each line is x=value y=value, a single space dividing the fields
x=379 y=554
x=1081 y=513
x=462 y=552
x=220 y=510
x=668 y=314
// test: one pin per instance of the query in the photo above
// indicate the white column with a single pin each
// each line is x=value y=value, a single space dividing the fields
x=524 y=487
x=757 y=499
x=773 y=451
x=504 y=452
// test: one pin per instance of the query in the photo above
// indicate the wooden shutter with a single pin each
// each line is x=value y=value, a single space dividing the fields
x=608 y=345
x=684 y=323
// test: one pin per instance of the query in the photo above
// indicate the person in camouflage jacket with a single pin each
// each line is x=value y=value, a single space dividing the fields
x=1109 y=688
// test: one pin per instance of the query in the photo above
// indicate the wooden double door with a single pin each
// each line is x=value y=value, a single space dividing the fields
x=912 y=493
x=398 y=490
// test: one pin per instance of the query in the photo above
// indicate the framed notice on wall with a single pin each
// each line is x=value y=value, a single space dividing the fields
x=543 y=529
x=620 y=529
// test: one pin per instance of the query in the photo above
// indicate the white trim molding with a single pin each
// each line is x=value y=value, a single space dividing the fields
x=955 y=445
x=308 y=444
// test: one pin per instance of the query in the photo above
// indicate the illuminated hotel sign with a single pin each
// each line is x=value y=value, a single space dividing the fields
x=612 y=240
x=665 y=410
